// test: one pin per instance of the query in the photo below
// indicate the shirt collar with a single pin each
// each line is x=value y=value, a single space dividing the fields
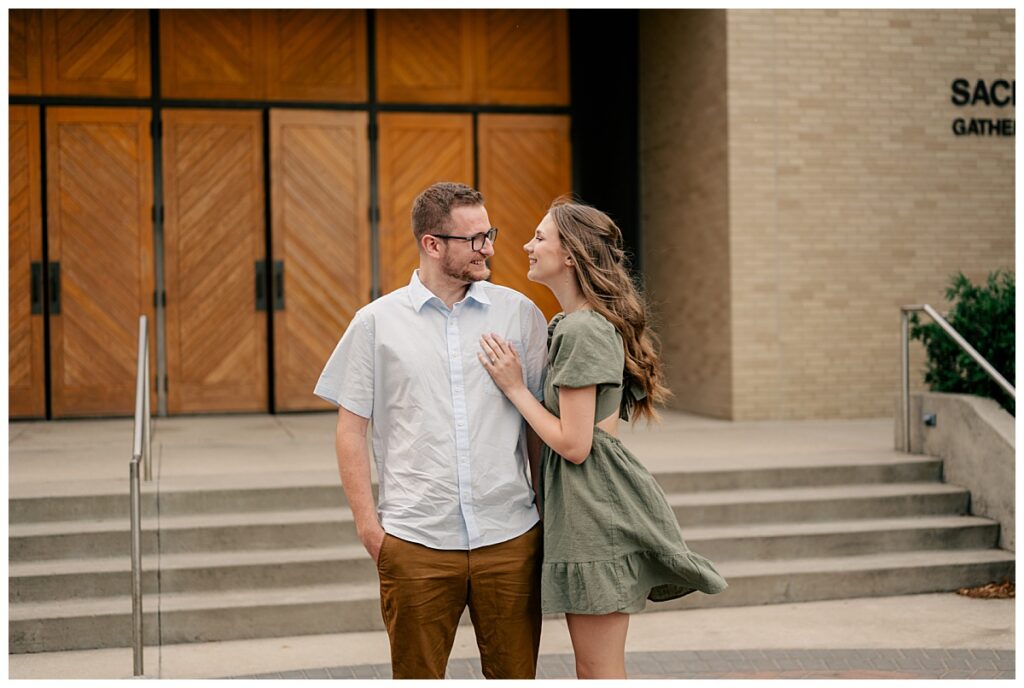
x=478 y=292
x=420 y=295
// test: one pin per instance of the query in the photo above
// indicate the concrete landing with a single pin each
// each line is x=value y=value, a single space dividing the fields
x=73 y=456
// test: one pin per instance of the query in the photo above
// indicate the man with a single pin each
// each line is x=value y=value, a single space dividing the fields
x=457 y=521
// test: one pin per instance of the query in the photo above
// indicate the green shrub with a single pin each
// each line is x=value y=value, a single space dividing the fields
x=984 y=316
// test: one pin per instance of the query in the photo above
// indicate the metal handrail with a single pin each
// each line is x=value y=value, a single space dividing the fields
x=961 y=342
x=141 y=452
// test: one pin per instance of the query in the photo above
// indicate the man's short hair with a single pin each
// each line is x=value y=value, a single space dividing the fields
x=432 y=209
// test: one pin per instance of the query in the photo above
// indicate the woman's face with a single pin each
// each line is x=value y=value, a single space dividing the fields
x=548 y=260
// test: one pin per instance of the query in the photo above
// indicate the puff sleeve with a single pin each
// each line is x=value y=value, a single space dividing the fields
x=585 y=350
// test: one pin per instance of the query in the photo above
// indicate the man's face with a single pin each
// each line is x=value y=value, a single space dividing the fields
x=458 y=260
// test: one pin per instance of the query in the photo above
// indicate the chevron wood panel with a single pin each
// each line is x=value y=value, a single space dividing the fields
x=96 y=52
x=522 y=57
x=213 y=53
x=320 y=195
x=99 y=207
x=525 y=163
x=25 y=51
x=415 y=151
x=25 y=381
x=316 y=55
x=424 y=56
x=214 y=234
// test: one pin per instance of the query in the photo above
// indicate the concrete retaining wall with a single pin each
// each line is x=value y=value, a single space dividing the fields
x=976 y=439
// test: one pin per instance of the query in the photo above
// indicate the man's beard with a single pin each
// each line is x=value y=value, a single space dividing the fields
x=464 y=274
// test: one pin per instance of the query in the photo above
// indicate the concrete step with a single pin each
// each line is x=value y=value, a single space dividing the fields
x=872 y=575
x=175 y=501
x=65 y=579
x=773 y=541
x=887 y=467
x=230 y=570
x=334 y=527
x=295 y=528
x=220 y=615
x=804 y=504
x=100 y=500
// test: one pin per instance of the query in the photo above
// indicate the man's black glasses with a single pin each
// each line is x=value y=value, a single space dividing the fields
x=476 y=242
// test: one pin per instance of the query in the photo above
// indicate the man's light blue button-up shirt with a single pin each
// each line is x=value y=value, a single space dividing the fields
x=449 y=447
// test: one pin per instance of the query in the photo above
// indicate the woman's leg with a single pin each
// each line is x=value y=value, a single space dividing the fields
x=599 y=643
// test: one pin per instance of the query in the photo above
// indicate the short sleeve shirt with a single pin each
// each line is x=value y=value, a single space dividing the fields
x=449 y=447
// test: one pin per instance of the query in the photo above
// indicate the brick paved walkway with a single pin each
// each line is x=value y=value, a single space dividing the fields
x=756 y=664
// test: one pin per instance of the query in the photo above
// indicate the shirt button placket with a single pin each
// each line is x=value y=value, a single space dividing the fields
x=461 y=422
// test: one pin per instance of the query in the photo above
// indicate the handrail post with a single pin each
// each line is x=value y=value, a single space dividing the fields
x=140 y=449
x=147 y=422
x=905 y=380
x=136 y=511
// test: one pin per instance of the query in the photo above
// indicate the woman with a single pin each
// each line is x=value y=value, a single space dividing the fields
x=611 y=541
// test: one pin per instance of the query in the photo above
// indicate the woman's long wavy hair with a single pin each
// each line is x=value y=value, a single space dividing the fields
x=594 y=243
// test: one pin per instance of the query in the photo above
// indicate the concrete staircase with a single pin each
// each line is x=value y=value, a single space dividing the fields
x=271 y=560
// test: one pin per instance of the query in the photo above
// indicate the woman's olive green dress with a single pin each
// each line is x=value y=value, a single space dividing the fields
x=611 y=540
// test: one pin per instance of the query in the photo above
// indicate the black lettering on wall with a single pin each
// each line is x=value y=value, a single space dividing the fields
x=960 y=95
x=980 y=93
x=1001 y=102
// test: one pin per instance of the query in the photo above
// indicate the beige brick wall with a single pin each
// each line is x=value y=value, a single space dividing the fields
x=684 y=195
x=848 y=195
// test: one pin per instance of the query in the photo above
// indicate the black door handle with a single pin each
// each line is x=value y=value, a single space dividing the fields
x=261 y=285
x=278 y=285
x=55 y=288
x=37 y=288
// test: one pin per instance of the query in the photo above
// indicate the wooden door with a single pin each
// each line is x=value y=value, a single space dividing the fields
x=316 y=55
x=321 y=243
x=25 y=361
x=25 y=51
x=522 y=57
x=213 y=54
x=424 y=56
x=100 y=232
x=96 y=52
x=525 y=163
x=214 y=237
x=415 y=152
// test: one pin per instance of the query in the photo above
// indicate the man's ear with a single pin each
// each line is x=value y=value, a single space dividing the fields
x=430 y=245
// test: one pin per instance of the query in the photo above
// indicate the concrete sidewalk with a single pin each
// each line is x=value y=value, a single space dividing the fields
x=882 y=637
x=973 y=637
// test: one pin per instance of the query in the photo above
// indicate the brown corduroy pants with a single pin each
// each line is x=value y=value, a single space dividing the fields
x=424 y=591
